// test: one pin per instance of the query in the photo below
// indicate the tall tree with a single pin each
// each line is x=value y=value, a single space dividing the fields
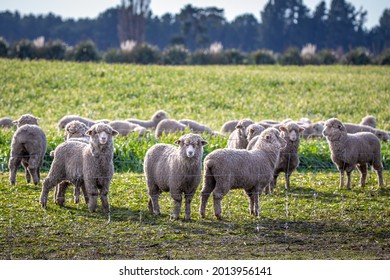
x=343 y=23
x=132 y=19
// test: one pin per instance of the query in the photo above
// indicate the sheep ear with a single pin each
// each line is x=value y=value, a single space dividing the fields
x=283 y=128
x=203 y=142
x=89 y=132
x=114 y=133
x=177 y=142
x=15 y=122
x=301 y=129
x=239 y=126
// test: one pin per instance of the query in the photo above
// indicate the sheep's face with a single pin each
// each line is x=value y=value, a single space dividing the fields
x=333 y=129
x=382 y=135
x=191 y=145
x=26 y=119
x=159 y=116
x=291 y=131
x=271 y=137
x=101 y=133
x=253 y=130
x=75 y=129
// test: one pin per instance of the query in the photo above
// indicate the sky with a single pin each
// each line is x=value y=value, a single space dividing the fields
x=232 y=8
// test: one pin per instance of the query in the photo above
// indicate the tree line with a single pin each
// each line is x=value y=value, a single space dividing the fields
x=283 y=24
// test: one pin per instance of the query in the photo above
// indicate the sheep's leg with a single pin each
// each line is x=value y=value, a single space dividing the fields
x=218 y=194
x=92 y=194
x=188 y=199
x=33 y=168
x=349 y=179
x=26 y=171
x=255 y=201
x=104 y=199
x=208 y=187
x=363 y=174
x=154 y=194
x=177 y=198
x=341 y=178
x=59 y=194
x=48 y=184
x=14 y=163
x=378 y=167
x=85 y=193
x=251 y=204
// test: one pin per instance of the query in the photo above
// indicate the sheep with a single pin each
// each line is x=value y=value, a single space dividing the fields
x=350 y=150
x=229 y=126
x=253 y=130
x=369 y=120
x=67 y=119
x=88 y=166
x=74 y=131
x=196 y=127
x=288 y=158
x=153 y=122
x=6 y=122
x=238 y=138
x=226 y=169
x=313 y=130
x=28 y=148
x=354 y=128
x=125 y=127
x=167 y=126
x=175 y=170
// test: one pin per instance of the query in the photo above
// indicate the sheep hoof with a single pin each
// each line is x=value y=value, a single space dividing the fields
x=219 y=217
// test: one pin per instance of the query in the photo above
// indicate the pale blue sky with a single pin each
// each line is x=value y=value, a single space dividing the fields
x=232 y=8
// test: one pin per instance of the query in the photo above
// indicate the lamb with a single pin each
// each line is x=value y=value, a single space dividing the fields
x=67 y=119
x=88 y=166
x=354 y=128
x=176 y=170
x=369 y=120
x=125 y=127
x=229 y=126
x=28 y=148
x=238 y=138
x=153 y=122
x=288 y=159
x=167 y=126
x=6 y=122
x=350 y=150
x=226 y=169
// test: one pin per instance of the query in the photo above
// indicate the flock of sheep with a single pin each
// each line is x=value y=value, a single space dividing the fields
x=256 y=153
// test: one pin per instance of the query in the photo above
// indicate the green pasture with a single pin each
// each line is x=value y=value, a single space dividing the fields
x=313 y=220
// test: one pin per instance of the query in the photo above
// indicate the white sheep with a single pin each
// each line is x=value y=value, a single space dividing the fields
x=67 y=119
x=124 y=128
x=153 y=122
x=6 y=122
x=238 y=138
x=369 y=120
x=176 y=170
x=74 y=131
x=28 y=148
x=168 y=126
x=84 y=165
x=226 y=169
x=351 y=150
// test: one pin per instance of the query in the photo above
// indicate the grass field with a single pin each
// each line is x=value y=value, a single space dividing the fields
x=313 y=220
